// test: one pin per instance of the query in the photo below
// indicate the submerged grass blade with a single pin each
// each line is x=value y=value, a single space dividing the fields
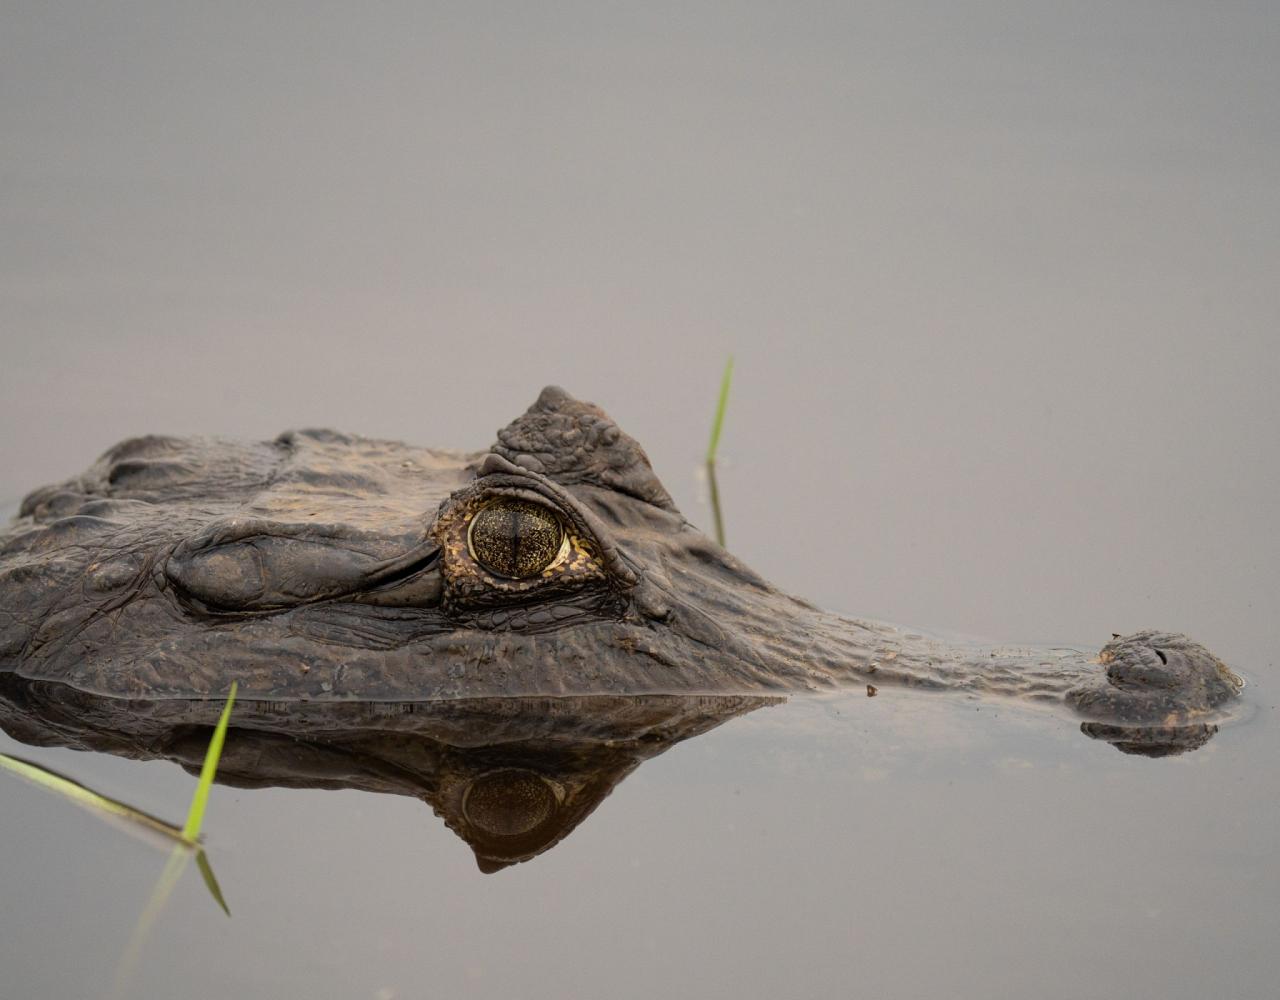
x=160 y=894
x=72 y=790
x=195 y=815
x=156 y=903
x=718 y=422
x=182 y=851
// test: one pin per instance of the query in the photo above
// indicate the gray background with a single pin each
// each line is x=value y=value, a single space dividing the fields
x=1000 y=280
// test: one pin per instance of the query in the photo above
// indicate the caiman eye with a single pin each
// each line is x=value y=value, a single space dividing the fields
x=516 y=538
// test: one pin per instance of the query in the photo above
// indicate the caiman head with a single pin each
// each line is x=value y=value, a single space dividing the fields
x=321 y=566
x=326 y=566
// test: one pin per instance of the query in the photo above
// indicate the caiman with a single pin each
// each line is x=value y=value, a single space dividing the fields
x=327 y=567
x=505 y=634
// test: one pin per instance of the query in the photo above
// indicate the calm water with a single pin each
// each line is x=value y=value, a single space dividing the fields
x=890 y=847
x=1000 y=286
x=903 y=845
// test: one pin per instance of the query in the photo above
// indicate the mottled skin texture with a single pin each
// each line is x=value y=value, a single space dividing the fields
x=327 y=568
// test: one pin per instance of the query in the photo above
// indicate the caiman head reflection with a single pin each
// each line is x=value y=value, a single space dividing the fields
x=325 y=568
x=511 y=776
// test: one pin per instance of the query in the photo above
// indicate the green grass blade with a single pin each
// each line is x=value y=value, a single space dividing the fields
x=210 y=882
x=718 y=423
x=72 y=790
x=195 y=815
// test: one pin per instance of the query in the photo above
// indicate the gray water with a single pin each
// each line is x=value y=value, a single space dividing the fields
x=1000 y=285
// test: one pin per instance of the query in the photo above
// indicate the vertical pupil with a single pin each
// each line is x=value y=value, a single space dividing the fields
x=513 y=535
x=515 y=538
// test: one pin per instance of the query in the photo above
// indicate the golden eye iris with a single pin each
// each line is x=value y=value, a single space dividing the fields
x=515 y=538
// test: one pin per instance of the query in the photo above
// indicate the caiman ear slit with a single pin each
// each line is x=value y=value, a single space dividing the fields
x=570 y=442
x=492 y=465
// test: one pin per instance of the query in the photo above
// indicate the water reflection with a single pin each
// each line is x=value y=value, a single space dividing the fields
x=1152 y=741
x=511 y=776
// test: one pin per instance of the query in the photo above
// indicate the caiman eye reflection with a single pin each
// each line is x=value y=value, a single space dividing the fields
x=510 y=802
x=516 y=538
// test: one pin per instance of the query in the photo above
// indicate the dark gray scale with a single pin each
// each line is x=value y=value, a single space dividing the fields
x=515 y=538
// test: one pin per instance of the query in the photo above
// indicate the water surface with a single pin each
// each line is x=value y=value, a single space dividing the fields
x=896 y=846
x=1000 y=285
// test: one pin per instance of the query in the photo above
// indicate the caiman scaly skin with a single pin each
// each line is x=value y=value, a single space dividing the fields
x=324 y=567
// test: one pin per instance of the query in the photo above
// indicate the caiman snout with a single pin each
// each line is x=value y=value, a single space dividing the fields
x=251 y=566
x=1155 y=677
